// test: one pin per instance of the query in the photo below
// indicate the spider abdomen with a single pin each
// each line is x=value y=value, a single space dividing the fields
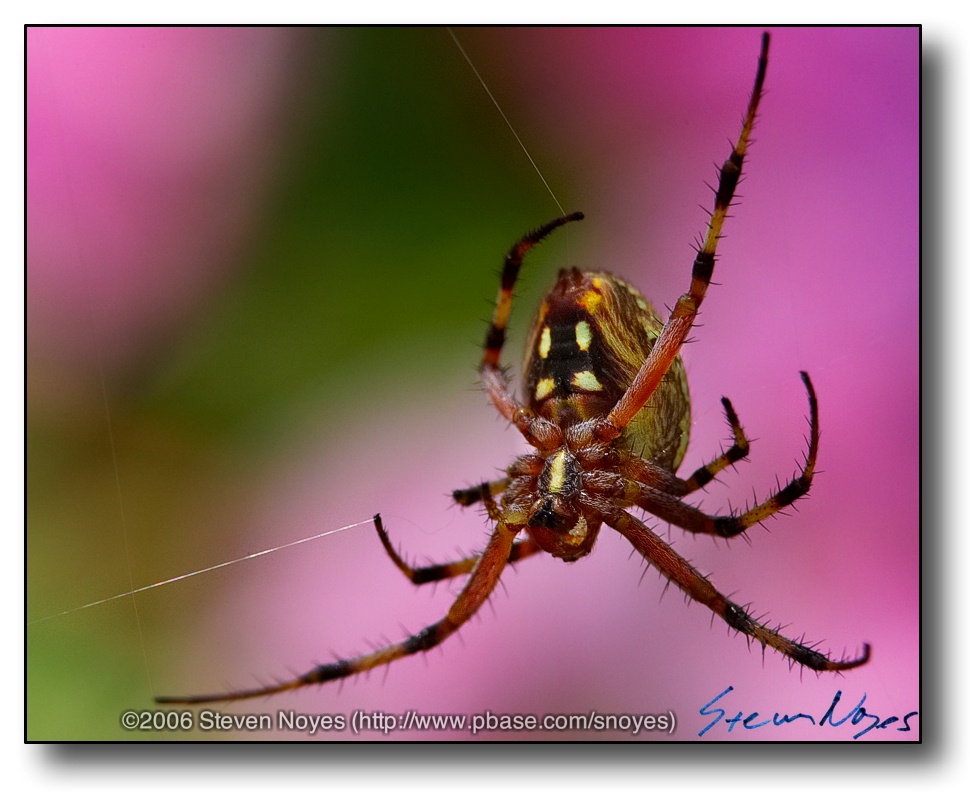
x=589 y=339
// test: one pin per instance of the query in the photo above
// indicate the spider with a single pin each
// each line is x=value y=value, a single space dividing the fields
x=607 y=414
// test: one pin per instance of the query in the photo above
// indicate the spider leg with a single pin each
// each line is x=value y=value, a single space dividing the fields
x=737 y=452
x=668 y=506
x=659 y=479
x=675 y=331
x=698 y=588
x=536 y=430
x=799 y=485
x=436 y=572
x=480 y=585
x=487 y=489
x=495 y=339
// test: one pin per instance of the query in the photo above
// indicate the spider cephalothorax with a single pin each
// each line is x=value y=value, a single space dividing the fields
x=607 y=413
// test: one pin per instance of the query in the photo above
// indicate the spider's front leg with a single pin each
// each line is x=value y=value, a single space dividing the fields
x=676 y=569
x=479 y=587
x=537 y=431
x=681 y=319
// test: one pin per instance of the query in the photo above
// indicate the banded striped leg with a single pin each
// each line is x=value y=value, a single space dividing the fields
x=480 y=585
x=537 y=431
x=698 y=588
x=659 y=478
x=674 y=511
x=704 y=475
x=681 y=319
x=435 y=572
x=485 y=490
x=495 y=339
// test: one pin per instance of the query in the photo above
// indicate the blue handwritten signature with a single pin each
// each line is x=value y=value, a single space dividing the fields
x=856 y=716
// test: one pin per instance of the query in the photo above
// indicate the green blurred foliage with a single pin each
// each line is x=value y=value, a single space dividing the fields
x=391 y=205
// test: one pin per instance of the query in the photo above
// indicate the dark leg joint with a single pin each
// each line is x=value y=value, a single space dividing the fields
x=737 y=619
x=327 y=673
x=422 y=641
x=703 y=267
x=728 y=526
x=703 y=476
x=810 y=658
x=792 y=492
x=510 y=272
x=467 y=497
x=495 y=338
x=730 y=173
x=422 y=575
x=483 y=492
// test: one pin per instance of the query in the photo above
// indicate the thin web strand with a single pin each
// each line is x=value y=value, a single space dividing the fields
x=505 y=118
x=201 y=571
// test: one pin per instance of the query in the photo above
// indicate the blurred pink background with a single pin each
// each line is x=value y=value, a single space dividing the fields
x=819 y=271
x=137 y=196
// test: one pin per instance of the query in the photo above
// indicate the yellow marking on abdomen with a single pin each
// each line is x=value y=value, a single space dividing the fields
x=544 y=387
x=545 y=342
x=586 y=380
x=584 y=336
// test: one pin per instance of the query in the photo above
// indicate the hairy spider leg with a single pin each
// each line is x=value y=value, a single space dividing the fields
x=658 y=478
x=435 y=572
x=487 y=489
x=676 y=569
x=682 y=317
x=495 y=339
x=539 y=432
x=480 y=585
x=738 y=451
x=671 y=509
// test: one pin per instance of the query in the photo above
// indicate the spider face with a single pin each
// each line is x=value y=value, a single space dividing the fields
x=607 y=412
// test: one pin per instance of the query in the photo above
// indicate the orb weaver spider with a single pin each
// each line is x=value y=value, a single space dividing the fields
x=607 y=414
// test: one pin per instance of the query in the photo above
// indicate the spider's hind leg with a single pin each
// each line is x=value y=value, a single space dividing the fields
x=676 y=569
x=479 y=587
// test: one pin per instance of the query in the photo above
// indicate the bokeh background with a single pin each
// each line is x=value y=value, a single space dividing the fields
x=259 y=271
